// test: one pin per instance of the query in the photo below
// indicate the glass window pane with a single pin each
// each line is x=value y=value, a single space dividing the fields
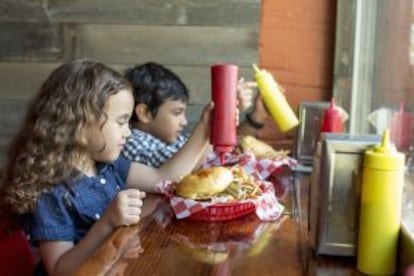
x=374 y=67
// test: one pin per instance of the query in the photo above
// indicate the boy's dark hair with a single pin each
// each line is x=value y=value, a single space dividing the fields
x=153 y=84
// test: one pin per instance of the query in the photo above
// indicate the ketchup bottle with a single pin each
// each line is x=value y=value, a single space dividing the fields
x=223 y=94
x=332 y=119
x=400 y=124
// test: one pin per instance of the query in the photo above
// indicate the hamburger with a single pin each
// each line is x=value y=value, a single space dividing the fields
x=230 y=183
x=259 y=148
x=205 y=183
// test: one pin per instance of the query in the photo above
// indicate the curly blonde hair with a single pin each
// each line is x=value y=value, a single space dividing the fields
x=51 y=142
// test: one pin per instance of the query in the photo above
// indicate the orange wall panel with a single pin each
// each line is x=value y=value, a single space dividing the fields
x=297 y=44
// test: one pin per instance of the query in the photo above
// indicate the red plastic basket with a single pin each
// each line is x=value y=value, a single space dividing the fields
x=224 y=211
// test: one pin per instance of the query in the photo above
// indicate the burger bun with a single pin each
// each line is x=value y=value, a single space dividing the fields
x=204 y=183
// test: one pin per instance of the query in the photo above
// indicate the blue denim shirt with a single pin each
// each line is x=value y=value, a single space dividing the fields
x=66 y=212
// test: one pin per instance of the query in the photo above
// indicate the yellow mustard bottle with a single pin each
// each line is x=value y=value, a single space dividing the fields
x=380 y=213
x=275 y=101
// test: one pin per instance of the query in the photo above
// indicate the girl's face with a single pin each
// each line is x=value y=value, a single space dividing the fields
x=105 y=144
x=169 y=121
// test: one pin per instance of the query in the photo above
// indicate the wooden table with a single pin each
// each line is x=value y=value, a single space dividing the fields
x=162 y=245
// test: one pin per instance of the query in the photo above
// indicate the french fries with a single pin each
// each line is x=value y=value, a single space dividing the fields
x=243 y=186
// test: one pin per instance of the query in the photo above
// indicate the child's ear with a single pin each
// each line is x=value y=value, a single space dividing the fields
x=142 y=112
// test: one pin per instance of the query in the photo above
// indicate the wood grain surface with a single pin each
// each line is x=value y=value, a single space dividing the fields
x=163 y=245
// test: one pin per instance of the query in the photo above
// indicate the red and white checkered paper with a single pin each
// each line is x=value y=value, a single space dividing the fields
x=267 y=206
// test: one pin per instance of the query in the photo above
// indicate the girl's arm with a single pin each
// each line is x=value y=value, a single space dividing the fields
x=245 y=94
x=259 y=115
x=183 y=162
x=65 y=258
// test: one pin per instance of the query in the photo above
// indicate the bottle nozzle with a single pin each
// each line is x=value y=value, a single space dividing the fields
x=385 y=138
x=385 y=146
x=256 y=69
x=222 y=158
x=332 y=105
x=222 y=150
x=402 y=107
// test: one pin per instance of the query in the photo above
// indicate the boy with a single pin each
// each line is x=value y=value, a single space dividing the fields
x=159 y=115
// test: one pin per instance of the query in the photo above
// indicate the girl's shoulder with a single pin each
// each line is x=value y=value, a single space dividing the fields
x=120 y=167
x=62 y=189
x=121 y=164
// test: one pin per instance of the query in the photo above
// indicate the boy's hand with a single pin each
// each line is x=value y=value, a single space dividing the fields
x=206 y=113
x=125 y=209
x=245 y=94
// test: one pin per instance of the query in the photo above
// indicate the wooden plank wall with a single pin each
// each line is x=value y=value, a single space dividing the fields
x=185 y=35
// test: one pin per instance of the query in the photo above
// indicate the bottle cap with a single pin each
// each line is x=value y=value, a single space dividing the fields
x=333 y=108
x=332 y=119
x=256 y=69
x=258 y=73
x=384 y=156
x=399 y=122
x=221 y=151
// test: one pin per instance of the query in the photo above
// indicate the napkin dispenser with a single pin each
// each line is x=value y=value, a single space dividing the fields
x=335 y=192
x=307 y=135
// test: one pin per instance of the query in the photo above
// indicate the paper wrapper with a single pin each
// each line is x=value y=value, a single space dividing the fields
x=267 y=206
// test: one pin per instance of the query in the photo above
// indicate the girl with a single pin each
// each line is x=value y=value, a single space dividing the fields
x=64 y=176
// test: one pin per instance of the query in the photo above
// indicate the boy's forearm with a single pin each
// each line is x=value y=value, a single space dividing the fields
x=182 y=163
x=203 y=157
x=188 y=157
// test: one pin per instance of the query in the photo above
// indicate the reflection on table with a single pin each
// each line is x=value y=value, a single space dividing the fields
x=162 y=245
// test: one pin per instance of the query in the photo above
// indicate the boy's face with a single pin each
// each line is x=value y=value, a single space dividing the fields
x=169 y=121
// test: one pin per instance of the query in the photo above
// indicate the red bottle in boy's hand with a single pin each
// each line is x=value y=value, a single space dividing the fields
x=223 y=94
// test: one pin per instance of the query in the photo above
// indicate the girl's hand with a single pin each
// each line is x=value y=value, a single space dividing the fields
x=259 y=111
x=245 y=94
x=237 y=117
x=125 y=209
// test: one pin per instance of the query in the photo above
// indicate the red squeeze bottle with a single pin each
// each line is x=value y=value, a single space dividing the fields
x=332 y=119
x=223 y=94
x=399 y=128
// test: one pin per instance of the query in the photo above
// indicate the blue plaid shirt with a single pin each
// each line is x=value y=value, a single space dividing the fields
x=67 y=211
x=144 y=148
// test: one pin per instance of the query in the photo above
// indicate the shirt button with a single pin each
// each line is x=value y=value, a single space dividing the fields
x=117 y=186
x=103 y=181
x=97 y=216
